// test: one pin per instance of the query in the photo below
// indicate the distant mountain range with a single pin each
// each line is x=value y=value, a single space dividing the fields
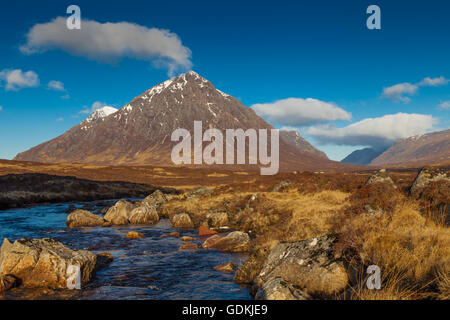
x=363 y=156
x=416 y=151
x=140 y=132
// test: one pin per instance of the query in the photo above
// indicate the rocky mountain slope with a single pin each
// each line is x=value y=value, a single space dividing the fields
x=418 y=150
x=363 y=156
x=295 y=139
x=140 y=132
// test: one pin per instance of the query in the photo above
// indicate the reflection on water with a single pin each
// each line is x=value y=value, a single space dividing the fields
x=149 y=268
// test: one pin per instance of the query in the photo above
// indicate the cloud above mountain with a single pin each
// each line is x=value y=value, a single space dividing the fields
x=110 y=42
x=16 y=79
x=375 y=132
x=56 y=85
x=298 y=112
x=401 y=92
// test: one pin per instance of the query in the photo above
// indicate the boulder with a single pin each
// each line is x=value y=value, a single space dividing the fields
x=425 y=177
x=380 y=177
x=8 y=281
x=144 y=214
x=104 y=259
x=226 y=267
x=199 y=192
x=309 y=264
x=233 y=242
x=134 y=235
x=83 y=218
x=120 y=213
x=44 y=262
x=182 y=220
x=278 y=289
x=188 y=246
x=217 y=219
x=204 y=231
x=156 y=199
x=281 y=186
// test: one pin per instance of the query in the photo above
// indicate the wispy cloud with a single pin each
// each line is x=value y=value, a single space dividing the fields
x=60 y=119
x=401 y=92
x=17 y=79
x=299 y=112
x=95 y=106
x=56 y=85
x=444 y=105
x=110 y=42
x=375 y=132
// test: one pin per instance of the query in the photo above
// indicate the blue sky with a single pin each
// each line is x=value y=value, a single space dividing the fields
x=263 y=53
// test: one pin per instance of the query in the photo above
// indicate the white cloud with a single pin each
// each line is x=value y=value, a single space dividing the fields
x=401 y=91
x=300 y=112
x=444 y=105
x=17 y=79
x=375 y=132
x=1 y=108
x=109 y=42
x=95 y=106
x=56 y=85
x=60 y=119
x=434 y=82
x=397 y=92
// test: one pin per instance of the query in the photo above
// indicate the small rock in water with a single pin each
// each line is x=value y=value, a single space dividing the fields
x=104 y=258
x=83 y=218
x=172 y=234
x=186 y=238
x=226 y=267
x=188 y=246
x=134 y=235
x=204 y=231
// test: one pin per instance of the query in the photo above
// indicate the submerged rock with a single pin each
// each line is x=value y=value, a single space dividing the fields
x=134 y=235
x=172 y=234
x=278 y=289
x=104 y=259
x=186 y=239
x=144 y=214
x=120 y=213
x=234 y=242
x=309 y=264
x=83 y=218
x=182 y=220
x=188 y=246
x=156 y=199
x=44 y=262
x=226 y=267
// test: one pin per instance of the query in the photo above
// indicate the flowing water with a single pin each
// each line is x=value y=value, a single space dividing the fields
x=148 y=268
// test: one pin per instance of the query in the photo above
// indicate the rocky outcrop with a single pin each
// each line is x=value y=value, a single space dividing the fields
x=7 y=281
x=278 y=289
x=144 y=214
x=280 y=187
x=199 y=192
x=156 y=199
x=380 y=177
x=426 y=176
x=44 y=262
x=182 y=220
x=226 y=267
x=217 y=219
x=308 y=264
x=233 y=242
x=120 y=213
x=83 y=218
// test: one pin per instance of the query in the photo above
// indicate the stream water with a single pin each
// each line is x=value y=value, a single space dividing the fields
x=148 y=268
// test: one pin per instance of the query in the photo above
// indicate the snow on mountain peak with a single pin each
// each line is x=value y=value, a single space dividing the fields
x=101 y=113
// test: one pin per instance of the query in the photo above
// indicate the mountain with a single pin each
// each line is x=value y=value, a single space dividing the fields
x=100 y=114
x=363 y=156
x=140 y=132
x=294 y=138
x=418 y=150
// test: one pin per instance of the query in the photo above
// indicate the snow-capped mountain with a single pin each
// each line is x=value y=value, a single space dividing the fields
x=101 y=114
x=140 y=132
